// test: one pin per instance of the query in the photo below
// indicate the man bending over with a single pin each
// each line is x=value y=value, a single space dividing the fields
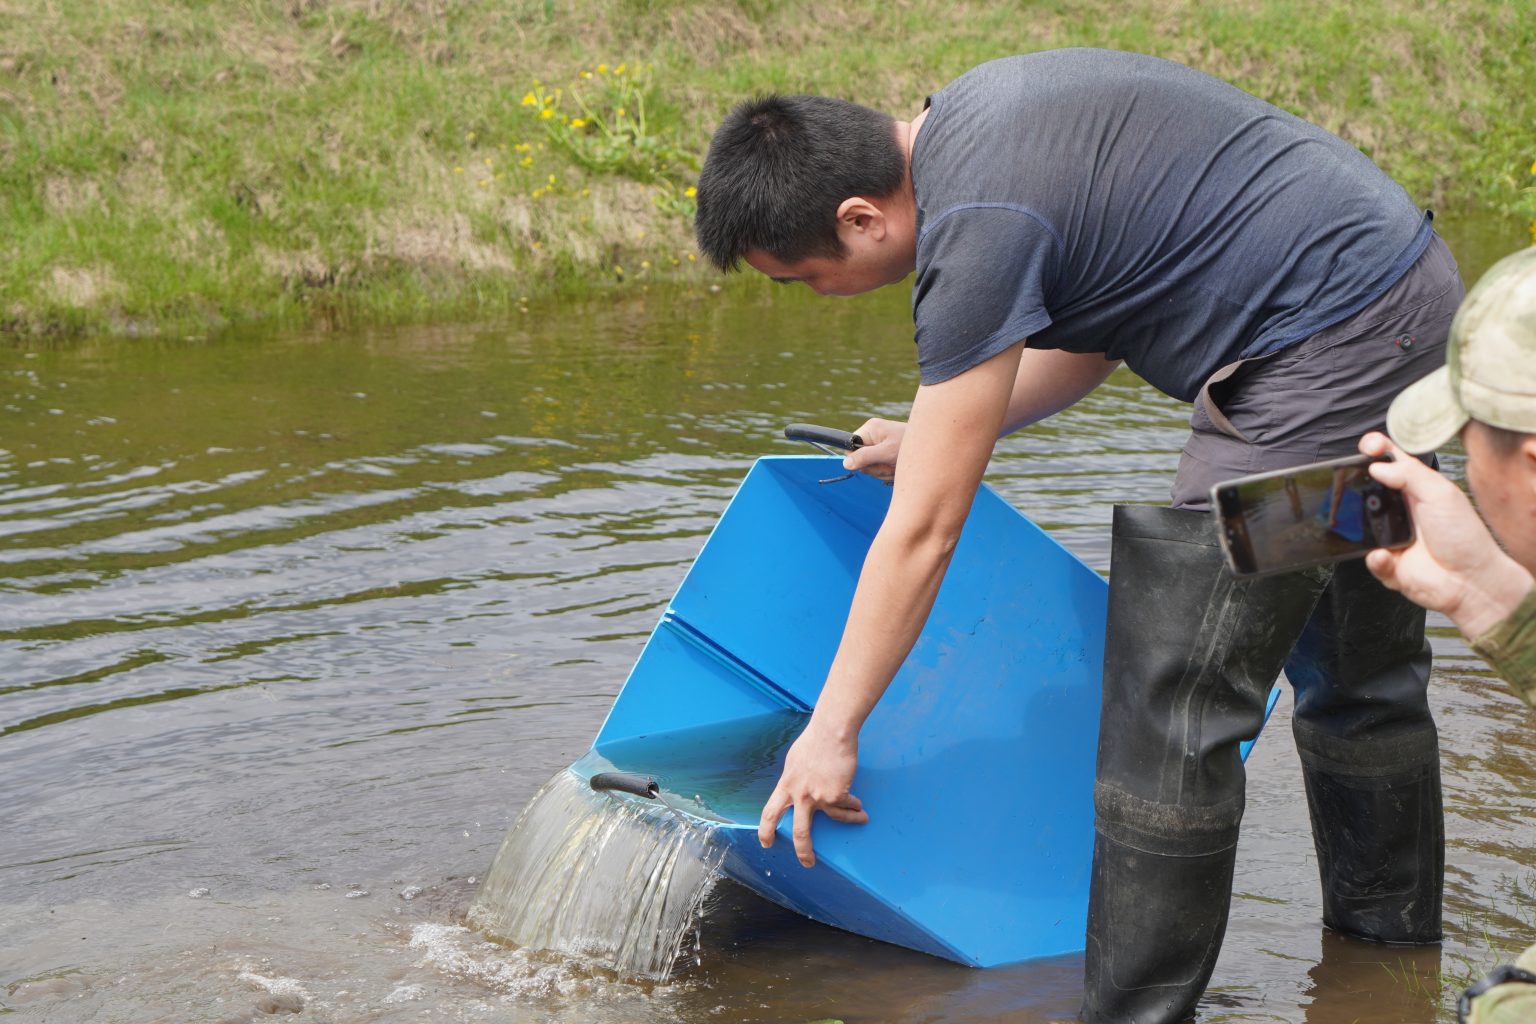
x=1066 y=212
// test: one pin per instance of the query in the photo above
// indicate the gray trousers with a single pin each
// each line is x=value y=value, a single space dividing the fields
x=1314 y=400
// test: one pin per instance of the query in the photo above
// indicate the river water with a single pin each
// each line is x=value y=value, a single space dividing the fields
x=293 y=626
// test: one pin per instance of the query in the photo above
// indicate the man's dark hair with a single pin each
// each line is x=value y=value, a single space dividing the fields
x=777 y=170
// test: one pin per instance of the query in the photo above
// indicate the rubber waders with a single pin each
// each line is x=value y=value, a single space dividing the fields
x=1371 y=760
x=1190 y=656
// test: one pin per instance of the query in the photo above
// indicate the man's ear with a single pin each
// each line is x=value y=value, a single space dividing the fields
x=859 y=215
x=1528 y=463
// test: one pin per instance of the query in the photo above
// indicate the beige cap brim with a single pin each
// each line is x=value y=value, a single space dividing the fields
x=1426 y=415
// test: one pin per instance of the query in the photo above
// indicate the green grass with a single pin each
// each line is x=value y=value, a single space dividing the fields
x=1498 y=936
x=176 y=166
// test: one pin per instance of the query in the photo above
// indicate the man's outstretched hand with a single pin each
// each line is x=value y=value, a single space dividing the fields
x=945 y=447
x=882 y=444
x=818 y=772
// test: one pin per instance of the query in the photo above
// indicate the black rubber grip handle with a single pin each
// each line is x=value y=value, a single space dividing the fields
x=624 y=782
x=823 y=435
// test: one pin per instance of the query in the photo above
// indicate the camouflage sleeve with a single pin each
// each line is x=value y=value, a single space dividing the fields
x=1510 y=647
x=1513 y=1002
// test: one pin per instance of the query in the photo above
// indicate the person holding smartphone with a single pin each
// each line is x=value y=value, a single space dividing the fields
x=1481 y=580
x=1486 y=395
x=1066 y=212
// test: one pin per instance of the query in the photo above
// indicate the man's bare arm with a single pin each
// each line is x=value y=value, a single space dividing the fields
x=948 y=444
x=1050 y=380
x=1046 y=382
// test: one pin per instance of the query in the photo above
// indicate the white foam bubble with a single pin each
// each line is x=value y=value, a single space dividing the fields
x=460 y=953
x=406 y=994
x=276 y=986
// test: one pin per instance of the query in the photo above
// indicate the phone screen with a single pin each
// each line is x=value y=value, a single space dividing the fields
x=1325 y=512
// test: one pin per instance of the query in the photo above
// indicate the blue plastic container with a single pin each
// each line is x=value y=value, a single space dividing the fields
x=977 y=766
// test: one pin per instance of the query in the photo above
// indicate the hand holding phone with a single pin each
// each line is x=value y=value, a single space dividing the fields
x=1309 y=515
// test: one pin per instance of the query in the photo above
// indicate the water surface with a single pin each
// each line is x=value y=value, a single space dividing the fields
x=293 y=627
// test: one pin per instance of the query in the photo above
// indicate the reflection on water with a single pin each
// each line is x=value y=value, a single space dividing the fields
x=294 y=627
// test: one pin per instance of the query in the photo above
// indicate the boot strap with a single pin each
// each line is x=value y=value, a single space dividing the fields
x=1500 y=975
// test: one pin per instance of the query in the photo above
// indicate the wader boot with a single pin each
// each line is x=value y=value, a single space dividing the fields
x=1190 y=656
x=1371 y=760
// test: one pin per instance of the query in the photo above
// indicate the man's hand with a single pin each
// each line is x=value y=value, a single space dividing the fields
x=818 y=772
x=882 y=443
x=1454 y=566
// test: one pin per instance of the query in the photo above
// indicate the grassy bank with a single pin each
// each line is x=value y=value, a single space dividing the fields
x=180 y=166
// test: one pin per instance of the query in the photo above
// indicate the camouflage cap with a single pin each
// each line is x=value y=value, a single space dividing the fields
x=1490 y=364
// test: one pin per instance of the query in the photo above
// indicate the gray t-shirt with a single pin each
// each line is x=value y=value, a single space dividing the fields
x=1097 y=201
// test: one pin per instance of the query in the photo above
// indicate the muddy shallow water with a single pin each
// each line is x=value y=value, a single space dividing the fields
x=292 y=627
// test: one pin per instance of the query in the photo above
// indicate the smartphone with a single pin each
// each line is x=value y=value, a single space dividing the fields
x=1292 y=518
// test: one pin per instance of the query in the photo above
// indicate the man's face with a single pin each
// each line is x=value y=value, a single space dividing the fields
x=1504 y=485
x=854 y=274
x=879 y=248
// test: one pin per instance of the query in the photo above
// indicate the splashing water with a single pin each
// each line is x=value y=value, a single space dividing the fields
x=606 y=878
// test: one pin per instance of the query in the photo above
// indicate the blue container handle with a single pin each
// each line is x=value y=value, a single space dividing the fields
x=824 y=437
x=624 y=782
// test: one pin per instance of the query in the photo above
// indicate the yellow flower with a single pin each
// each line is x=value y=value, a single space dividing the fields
x=690 y=192
x=487 y=161
x=1533 y=166
x=578 y=122
x=587 y=192
x=526 y=161
x=619 y=112
x=586 y=74
x=469 y=137
x=645 y=264
x=618 y=270
x=546 y=114
x=620 y=69
x=530 y=100
x=691 y=257
x=458 y=170
x=602 y=69
x=548 y=100
x=522 y=147
x=551 y=179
